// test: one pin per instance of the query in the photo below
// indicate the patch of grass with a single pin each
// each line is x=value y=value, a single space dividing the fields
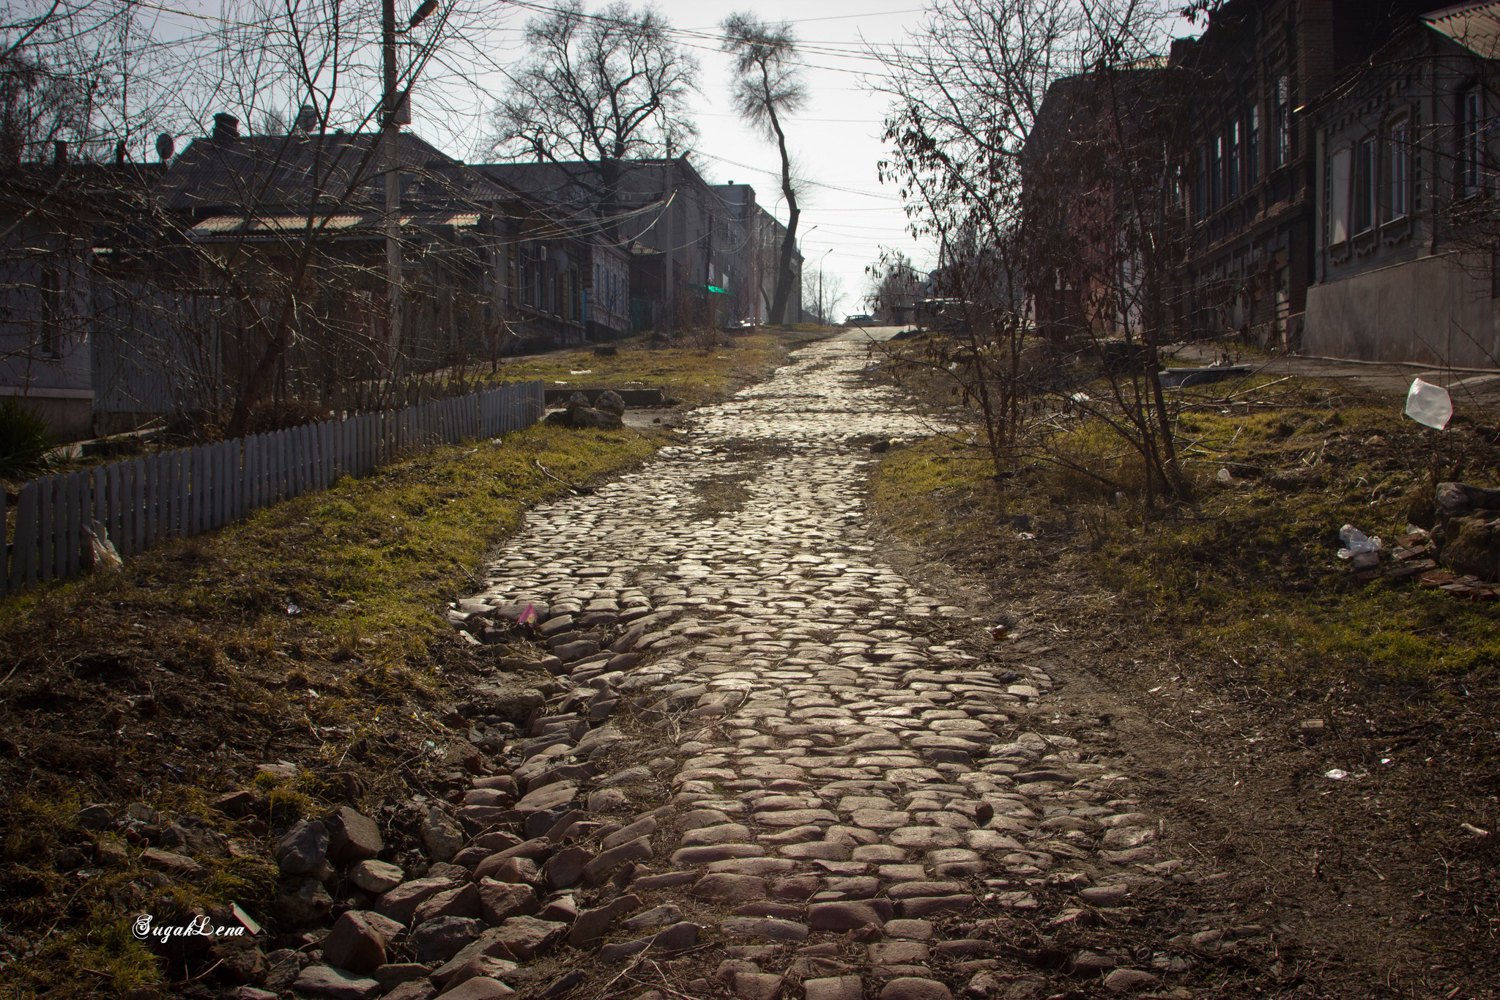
x=689 y=374
x=1248 y=575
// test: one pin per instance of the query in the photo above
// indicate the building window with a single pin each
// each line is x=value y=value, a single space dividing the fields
x=1398 y=172
x=1365 y=165
x=1232 y=164
x=1252 y=146
x=1200 y=183
x=1338 y=195
x=49 y=340
x=1216 y=176
x=1470 y=142
x=1283 y=146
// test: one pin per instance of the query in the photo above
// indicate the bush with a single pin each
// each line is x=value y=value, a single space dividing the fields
x=24 y=440
x=1092 y=461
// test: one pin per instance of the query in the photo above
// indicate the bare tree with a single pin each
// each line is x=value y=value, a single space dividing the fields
x=895 y=287
x=964 y=92
x=967 y=97
x=768 y=87
x=598 y=88
x=822 y=294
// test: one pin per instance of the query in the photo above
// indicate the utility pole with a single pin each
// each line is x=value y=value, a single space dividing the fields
x=390 y=137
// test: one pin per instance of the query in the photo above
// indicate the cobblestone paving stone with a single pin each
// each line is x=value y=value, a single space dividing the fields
x=774 y=749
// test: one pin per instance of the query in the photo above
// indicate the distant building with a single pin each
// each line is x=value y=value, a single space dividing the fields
x=1102 y=213
x=761 y=236
x=688 y=245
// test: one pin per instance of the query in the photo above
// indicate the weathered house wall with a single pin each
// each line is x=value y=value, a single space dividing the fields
x=1403 y=154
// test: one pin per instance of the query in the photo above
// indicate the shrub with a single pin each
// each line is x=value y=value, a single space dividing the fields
x=24 y=440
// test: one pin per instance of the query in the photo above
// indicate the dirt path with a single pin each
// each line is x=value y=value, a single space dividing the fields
x=782 y=769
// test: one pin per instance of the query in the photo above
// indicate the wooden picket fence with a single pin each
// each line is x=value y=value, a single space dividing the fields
x=193 y=490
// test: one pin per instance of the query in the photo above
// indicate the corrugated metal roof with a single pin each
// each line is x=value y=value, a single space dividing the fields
x=291 y=225
x=1475 y=26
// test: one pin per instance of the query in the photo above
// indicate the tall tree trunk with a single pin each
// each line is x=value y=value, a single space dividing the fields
x=784 y=276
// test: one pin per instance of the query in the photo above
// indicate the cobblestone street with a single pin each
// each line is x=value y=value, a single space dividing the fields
x=778 y=758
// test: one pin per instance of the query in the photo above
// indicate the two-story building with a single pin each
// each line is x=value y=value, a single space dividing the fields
x=1251 y=172
x=1405 y=263
x=687 y=244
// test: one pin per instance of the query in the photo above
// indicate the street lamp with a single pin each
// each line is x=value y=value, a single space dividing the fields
x=822 y=312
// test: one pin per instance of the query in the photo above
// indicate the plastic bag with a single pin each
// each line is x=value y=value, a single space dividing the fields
x=1429 y=405
x=1360 y=549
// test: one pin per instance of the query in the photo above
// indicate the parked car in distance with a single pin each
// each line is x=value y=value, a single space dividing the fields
x=859 y=319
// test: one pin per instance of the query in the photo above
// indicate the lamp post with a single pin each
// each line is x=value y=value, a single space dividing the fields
x=394 y=112
x=800 y=287
x=822 y=313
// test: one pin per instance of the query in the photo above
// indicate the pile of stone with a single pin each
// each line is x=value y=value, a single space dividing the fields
x=1461 y=555
x=536 y=855
x=607 y=412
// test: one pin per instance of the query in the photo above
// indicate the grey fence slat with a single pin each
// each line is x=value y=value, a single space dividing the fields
x=85 y=508
x=212 y=460
x=45 y=506
x=262 y=492
x=189 y=488
x=177 y=477
x=24 y=550
x=151 y=476
x=219 y=477
x=327 y=451
x=73 y=525
x=213 y=480
x=199 y=492
x=254 y=466
x=309 y=457
x=299 y=461
x=289 y=450
x=171 y=494
x=114 y=516
x=165 y=528
x=257 y=462
x=124 y=499
x=153 y=496
x=236 y=492
x=84 y=500
x=137 y=501
x=225 y=483
x=283 y=466
x=97 y=479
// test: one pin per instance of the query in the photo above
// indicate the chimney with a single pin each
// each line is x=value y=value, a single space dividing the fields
x=226 y=127
x=307 y=119
x=59 y=154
